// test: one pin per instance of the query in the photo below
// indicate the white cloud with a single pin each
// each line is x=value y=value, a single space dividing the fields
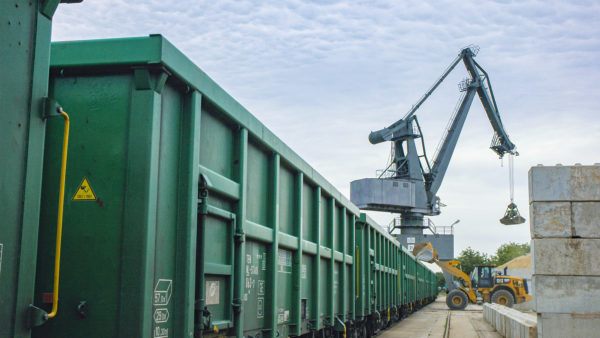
x=321 y=75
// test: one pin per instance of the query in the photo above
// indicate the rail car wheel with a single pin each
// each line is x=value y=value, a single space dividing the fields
x=456 y=300
x=503 y=297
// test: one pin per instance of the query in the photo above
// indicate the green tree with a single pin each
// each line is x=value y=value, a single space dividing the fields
x=469 y=258
x=441 y=280
x=507 y=252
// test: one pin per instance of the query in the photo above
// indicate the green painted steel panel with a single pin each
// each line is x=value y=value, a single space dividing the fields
x=255 y=288
x=287 y=201
x=217 y=139
x=166 y=151
x=337 y=240
x=308 y=213
x=325 y=297
x=258 y=186
x=91 y=229
x=349 y=234
x=325 y=228
x=119 y=250
x=284 y=289
x=350 y=294
x=166 y=209
x=24 y=55
x=307 y=299
x=338 y=297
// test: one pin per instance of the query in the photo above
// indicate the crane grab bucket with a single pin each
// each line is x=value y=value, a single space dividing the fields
x=425 y=252
x=512 y=216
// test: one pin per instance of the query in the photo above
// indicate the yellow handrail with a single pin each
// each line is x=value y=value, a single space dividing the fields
x=61 y=202
x=357 y=272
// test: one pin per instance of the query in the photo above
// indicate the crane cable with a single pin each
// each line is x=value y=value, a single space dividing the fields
x=511 y=176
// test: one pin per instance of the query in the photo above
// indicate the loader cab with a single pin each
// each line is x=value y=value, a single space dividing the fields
x=482 y=277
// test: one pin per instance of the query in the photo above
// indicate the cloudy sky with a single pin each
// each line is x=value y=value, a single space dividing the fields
x=323 y=74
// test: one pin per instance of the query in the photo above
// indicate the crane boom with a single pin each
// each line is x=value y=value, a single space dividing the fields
x=386 y=134
x=442 y=159
x=501 y=143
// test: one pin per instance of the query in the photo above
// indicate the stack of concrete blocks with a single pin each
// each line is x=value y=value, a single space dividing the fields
x=510 y=323
x=565 y=231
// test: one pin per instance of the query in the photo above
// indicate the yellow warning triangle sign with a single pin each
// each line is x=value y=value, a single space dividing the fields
x=84 y=192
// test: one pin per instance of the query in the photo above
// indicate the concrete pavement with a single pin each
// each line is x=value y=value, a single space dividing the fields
x=431 y=322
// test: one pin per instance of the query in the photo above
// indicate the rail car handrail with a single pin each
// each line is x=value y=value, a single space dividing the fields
x=61 y=203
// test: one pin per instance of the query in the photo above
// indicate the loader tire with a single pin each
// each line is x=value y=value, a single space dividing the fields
x=457 y=300
x=503 y=297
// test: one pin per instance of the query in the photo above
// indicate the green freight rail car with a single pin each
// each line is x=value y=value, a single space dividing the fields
x=391 y=283
x=185 y=216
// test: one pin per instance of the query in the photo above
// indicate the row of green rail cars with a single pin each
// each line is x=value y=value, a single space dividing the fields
x=183 y=215
x=199 y=219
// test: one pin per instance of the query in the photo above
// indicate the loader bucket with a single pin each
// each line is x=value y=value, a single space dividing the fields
x=512 y=216
x=425 y=252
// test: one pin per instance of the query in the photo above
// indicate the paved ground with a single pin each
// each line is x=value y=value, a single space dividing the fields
x=431 y=322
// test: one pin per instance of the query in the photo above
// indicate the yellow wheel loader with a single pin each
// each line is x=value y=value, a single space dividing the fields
x=482 y=286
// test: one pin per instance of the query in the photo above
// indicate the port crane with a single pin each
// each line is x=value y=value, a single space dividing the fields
x=409 y=184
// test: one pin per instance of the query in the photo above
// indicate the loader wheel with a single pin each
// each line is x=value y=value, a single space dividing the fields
x=456 y=300
x=503 y=297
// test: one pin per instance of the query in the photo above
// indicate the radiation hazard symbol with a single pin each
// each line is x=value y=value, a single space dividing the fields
x=84 y=192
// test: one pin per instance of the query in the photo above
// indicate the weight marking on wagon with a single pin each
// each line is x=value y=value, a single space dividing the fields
x=161 y=332
x=163 y=291
x=261 y=287
x=161 y=315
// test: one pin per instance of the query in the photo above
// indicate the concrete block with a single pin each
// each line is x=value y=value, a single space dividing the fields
x=550 y=219
x=566 y=256
x=560 y=325
x=499 y=322
x=586 y=219
x=521 y=326
x=567 y=294
x=510 y=323
x=564 y=183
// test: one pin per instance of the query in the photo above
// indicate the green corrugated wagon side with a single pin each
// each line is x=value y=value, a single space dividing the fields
x=184 y=215
x=25 y=31
x=201 y=221
x=380 y=269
